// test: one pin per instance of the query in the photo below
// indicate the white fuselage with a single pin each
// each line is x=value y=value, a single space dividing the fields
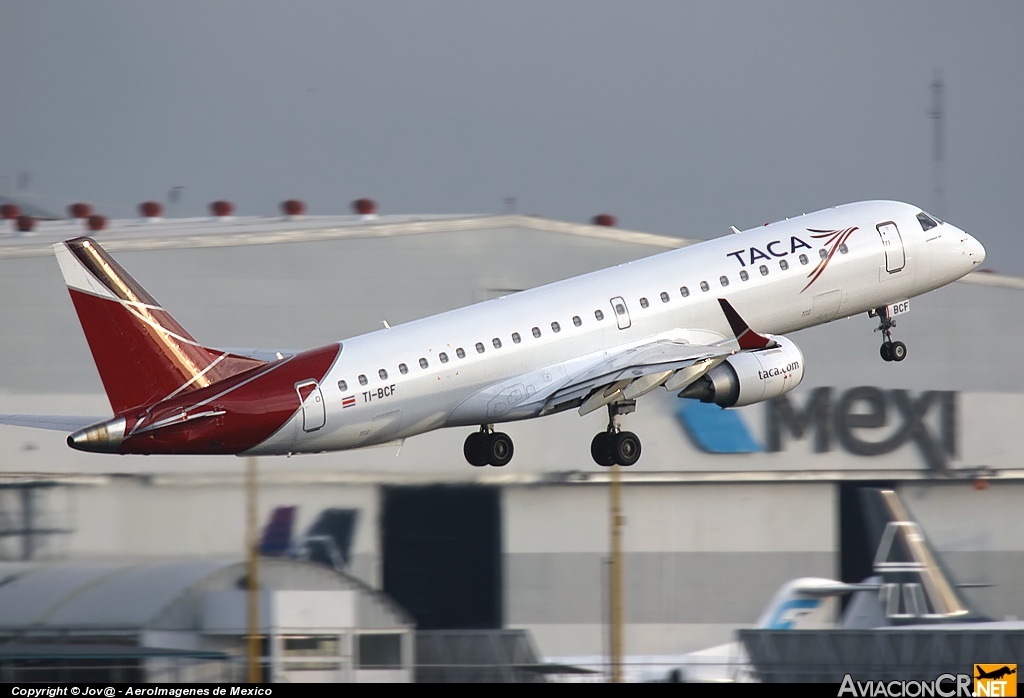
x=473 y=387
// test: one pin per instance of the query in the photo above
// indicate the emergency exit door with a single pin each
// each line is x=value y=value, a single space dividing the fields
x=621 y=312
x=314 y=414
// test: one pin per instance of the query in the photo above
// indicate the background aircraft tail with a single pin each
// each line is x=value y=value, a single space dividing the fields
x=143 y=355
x=915 y=587
x=328 y=540
x=277 y=534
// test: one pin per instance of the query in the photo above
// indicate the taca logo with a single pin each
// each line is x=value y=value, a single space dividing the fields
x=829 y=417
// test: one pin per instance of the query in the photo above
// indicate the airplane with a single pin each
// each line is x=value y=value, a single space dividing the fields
x=996 y=673
x=705 y=321
x=909 y=587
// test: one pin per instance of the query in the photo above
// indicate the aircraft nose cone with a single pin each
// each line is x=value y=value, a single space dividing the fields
x=975 y=250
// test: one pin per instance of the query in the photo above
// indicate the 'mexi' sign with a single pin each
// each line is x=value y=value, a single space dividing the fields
x=848 y=418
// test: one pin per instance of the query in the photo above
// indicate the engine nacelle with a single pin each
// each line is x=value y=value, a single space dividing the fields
x=750 y=376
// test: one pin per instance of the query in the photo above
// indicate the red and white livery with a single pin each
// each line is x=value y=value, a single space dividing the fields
x=705 y=321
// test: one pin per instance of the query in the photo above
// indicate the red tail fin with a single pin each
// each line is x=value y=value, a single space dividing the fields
x=143 y=355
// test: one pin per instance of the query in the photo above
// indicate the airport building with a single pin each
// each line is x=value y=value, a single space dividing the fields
x=186 y=620
x=723 y=507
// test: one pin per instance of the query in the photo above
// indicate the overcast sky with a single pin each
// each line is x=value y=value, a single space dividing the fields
x=679 y=118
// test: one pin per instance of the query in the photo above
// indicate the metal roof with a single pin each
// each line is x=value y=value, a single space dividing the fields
x=137 y=595
x=11 y=651
x=177 y=233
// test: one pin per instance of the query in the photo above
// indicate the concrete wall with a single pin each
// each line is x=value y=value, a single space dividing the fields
x=700 y=560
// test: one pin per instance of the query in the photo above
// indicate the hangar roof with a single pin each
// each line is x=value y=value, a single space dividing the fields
x=143 y=234
x=158 y=594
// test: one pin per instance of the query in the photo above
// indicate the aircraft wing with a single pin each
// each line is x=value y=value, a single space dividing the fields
x=674 y=359
x=55 y=422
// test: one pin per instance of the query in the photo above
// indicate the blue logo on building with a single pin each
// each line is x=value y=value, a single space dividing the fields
x=715 y=430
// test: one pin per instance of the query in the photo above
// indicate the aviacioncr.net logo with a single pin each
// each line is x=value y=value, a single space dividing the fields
x=944 y=686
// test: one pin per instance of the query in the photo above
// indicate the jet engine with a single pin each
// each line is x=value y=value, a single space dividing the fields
x=750 y=376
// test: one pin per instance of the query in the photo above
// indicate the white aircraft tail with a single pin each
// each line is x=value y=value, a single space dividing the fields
x=807 y=603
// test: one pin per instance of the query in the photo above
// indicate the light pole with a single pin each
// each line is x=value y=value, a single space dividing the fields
x=617 y=520
x=252 y=571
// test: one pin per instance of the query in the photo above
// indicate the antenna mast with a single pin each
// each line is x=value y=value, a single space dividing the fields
x=938 y=115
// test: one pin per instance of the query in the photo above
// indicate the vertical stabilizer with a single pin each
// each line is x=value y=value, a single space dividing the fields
x=916 y=587
x=142 y=354
x=277 y=535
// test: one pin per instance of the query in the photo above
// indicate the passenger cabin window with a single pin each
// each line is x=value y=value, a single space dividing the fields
x=536 y=332
x=403 y=369
x=443 y=357
x=576 y=320
x=362 y=379
x=516 y=339
x=479 y=348
x=620 y=309
x=783 y=265
x=555 y=327
x=664 y=297
x=383 y=374
x=683 y=291
x=704 y=286
x=599 y=315
x=342 y=386
x=496 y=342
x=460 y=352
x=724 y=280
x=843 y=249
x=423 y=363
x=644 y=303
x=803 y=259
x=823 y=253
x=744 y=275
x=763 y=269
x=926 y=221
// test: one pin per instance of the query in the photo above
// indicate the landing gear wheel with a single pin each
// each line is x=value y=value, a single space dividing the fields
x=626 y=448
x=898 y=351
x=601 y=449
x=498 y=448
x=890 y=350
x=474 y=449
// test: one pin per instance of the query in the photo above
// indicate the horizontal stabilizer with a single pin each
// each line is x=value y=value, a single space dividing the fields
x=54 y=422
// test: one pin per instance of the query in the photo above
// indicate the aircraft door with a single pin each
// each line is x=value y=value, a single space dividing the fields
x=314 y=413
x=621 y=312
x=895 y=257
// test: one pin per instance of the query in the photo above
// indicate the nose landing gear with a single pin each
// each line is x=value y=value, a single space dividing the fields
x=890 y=350
x=615 y=447
x=488 y=447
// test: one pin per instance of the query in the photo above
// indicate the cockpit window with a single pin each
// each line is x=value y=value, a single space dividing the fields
x=926 y=221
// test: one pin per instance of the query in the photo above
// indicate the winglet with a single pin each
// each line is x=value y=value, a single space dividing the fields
x=747 y=338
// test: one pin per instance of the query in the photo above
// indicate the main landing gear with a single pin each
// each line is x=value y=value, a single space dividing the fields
x=890 y=350
x=615 y=447
x=488 y=447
